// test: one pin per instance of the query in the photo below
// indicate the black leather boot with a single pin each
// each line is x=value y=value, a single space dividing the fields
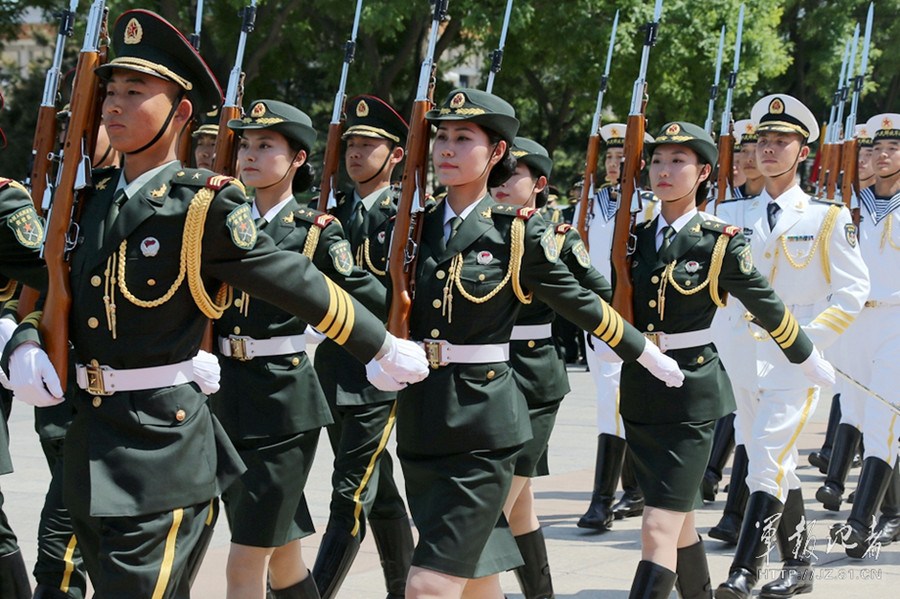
x=305 y=589
x=693 y=573
x=610 y=450
x=394 y=541
x=793 y=542
x=651 y=581
x=888 y=527
x=729 y=527
x=534 y=574
x=846 y=441
x=873 y=484
x=14 y=582
x=632 y=501
x=751 y=550
x=336 y=555
x=723 y=444
x=820 y=458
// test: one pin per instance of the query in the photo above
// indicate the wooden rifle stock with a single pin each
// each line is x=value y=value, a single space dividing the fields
x=623 y=235
x=725 y=176
x=330 y=164
x=590 y=169
x=850 y=175
x=78 y=148
x=408 y=225
x=225 y=161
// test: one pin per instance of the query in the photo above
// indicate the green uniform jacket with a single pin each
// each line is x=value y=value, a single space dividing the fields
x=466 y=407
x=21 y=233
x=706 y=394
x=344 y=380
x=144 y=452
x=539 y=366
x=280 y=395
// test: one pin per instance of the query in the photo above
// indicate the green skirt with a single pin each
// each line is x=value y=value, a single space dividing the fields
x=532 y=460
x=456 y=502
x=669 y=461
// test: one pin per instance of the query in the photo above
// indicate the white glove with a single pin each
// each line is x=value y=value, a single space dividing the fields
x=604 y=352
x=818 y=370
x=207 y=372
x=32 y=377
x=404 y=361
x=380 y=379
x=7 y=328
x=313 y=336
x=661 y=366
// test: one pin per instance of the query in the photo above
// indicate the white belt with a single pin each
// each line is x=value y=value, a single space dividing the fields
x=441 y=353
x=103 y=380
x=877 y=304
x=524 y=332
x=247 y=348
x=667 y=341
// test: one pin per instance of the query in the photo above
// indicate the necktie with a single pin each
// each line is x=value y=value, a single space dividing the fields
x=773 y=210
x=455 y=223
x=356 y=221
x=668 y=234
x=114 y=206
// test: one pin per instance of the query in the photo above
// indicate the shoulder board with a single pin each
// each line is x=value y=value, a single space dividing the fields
x=12 y=183
x=563 y=228
x=720 y=227
x=194 y=177
x=826 y=201
x=218 y=182
x=312 y=216
x=513 y=210
x=106 y=171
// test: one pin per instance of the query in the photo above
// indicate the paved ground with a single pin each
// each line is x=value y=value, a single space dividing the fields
x=583 y=565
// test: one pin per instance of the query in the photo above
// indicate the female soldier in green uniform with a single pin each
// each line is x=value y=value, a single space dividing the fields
x=270 y=402
x=539 y=365
x=460 y=430
x=683 y=266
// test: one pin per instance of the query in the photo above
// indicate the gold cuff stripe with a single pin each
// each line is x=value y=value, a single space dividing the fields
x=785 y=322
x=789 y=333
x=339 y=313
x=211 y=514
x=810 y=395
x=832 y=323
x=328 y=319
x=620 y=331
x=382 y=443
x=165 y=569
x=8 y=290
x=840 y=315
x=70 y=565
x=793 y=336
x=604 y=321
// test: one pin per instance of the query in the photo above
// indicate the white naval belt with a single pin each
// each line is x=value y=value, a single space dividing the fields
x=441 y=353
x=667 y=341
x=526 y=332
x=104 y=380
x=246 y=348
x=877 y=304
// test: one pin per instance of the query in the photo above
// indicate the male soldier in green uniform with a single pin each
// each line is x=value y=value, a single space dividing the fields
x=363 y=486
x=144 y=456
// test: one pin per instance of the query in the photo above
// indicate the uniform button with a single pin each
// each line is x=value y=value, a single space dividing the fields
x=238 y=302
x=490 y=374
x=295 y=361
x=480 y=277
x=654 y=279
x=151 y=282
x=435 y=333
x=531 y=343
x=440 y=274
x=436 y=303
x=700 y=360
x=652 y=303
x=768 y=255
x=237 y=330
x=97 y=402
x=650 y=327
x=93 y=322
x=180 y=415
x=687 y=283
x=96 y=280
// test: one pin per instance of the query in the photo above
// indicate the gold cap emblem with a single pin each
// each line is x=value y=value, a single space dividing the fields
x=614 y=132
x=258 y=110
x=133 y=32
x=673 y=129
x=776 y=106
x=458 y=101
x=362 y=109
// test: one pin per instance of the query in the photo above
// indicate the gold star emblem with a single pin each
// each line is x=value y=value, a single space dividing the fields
x=776 y=106
x=258 y=110
x=673 y=129
x=133 y=32
x=887 y=123
x=362 y=109
x=458 y=101
x=196 y=175
x=102 y=184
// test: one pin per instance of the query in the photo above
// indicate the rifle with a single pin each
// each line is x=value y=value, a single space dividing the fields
x=623 y=234
x=714 y=88
x=497 y=55
x=838 y=136
x=408 y=224
x=725 y=175
x=826 y=165
x=186 y=138
x=333 y=145
x=850 y=150
x=588 y=189
x=74 y=181
x=226 y=149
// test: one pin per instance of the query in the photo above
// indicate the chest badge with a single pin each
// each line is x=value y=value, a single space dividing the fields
x=484 y=257
x=380 y=236
x=691 y=266
x=150 y=247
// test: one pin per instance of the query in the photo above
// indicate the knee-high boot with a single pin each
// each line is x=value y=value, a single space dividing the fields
x=693 y=573
x=845 y=443
x=610 y=450
x=305 y=589
x=14 y=581
x=888 y=527
x=336 y=555
x=632 y=501
x=793 y=542
x=651 y=581
x=723 y=444
x=729 y=527
x=394 y=541
x=855 y=535
x=751 y=550
x=820 y=458
x=534 y=574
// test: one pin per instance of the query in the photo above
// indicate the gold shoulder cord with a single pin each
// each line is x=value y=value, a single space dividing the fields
x=191 y=250
x=887 y=236
x=7 y=291
x=312 y=241
x=364 y=249
x=824 y=234
x=712 y=279
x=517 y=251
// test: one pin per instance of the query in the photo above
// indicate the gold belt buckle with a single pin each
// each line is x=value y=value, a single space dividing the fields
x=433 y=353
x=95 y=384
x=239 y=348
x=652 y=338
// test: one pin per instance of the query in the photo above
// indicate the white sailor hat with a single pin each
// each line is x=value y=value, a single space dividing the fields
x=613 y=135
x=785 y=114
x=863 y=138
x=744 y=131
x=884 y=126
